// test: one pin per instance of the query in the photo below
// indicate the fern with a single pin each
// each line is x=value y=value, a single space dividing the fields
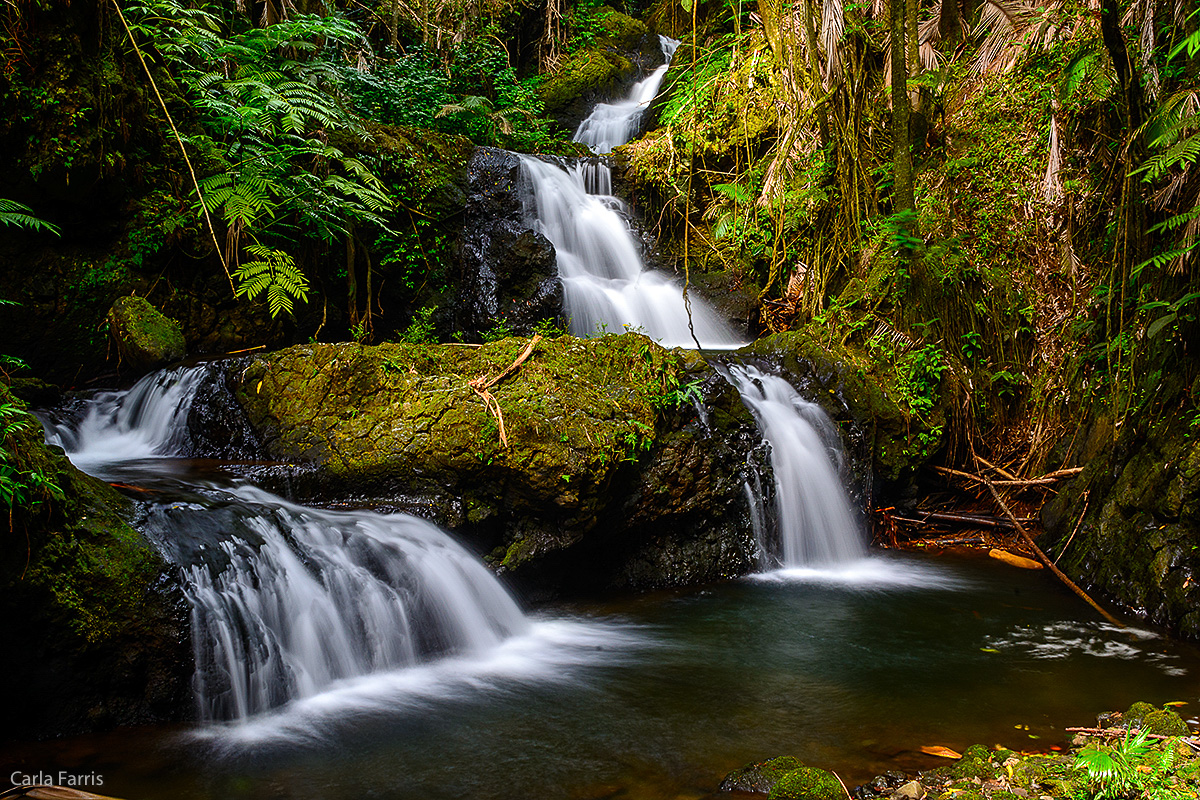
x=275 y=273
x=14 y=213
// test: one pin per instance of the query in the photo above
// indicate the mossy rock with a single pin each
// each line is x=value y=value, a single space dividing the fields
x=145 y=338
x=591 y=71
x=976 y=762
x=621 y=30
x=95 y=632
x=808 y=783
x=599 y=467
x=760 y=777
x=1165 y=723
x=1137 y=712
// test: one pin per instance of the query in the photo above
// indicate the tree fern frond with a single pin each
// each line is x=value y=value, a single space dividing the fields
x=274 y=272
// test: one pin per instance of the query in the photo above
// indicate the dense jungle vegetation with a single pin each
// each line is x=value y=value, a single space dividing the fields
x=1009 y=242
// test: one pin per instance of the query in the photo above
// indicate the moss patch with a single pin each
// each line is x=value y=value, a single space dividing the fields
x=145 y=338
x=591 y=70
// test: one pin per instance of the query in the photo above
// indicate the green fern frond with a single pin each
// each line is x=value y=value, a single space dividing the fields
x=275 y=273
x=22 y=216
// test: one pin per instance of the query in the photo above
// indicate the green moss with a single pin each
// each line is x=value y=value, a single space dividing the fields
x=621 y=30
x=976 y=762
x=145 y=338
x=808 y=783
x=1165 y=723
x=761 y=776
x=589 y=70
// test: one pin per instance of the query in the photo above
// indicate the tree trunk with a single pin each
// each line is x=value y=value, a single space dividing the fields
x=902 y=188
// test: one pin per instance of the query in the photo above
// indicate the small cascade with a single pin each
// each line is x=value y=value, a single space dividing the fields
x=147 y=421
x=286 y=600
x=817 y=524
x=605 y=283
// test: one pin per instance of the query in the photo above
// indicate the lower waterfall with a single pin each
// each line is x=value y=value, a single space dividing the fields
x=287 y=600
x=817 y=524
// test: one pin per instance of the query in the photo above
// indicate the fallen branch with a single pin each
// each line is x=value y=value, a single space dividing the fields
x=482 y=384
x=1045 y=560
x=964 y=519
x=1044 y=480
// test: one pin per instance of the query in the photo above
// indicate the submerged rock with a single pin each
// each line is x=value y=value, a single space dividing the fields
x=145 y=338
x=609 y=478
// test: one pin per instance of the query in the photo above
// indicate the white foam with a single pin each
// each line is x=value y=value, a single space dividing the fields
x=551 y=651
x=868 y=573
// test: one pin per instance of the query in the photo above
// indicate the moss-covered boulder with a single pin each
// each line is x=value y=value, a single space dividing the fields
x=145 y=338
x=760 y=777
x=808 y=783
x=586 y=467
x=94 y=634
x=623 y=50
x=1158 y=721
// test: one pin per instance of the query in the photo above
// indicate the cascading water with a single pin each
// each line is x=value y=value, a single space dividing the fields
x=817 y=524
x=286 y=600
x=605 y=284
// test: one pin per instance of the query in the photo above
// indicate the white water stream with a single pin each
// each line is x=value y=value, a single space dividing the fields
x=817 y=524
x=607 y=288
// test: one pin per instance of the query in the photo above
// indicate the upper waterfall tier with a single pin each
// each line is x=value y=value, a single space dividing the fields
x=613 y=124
x=606 y=286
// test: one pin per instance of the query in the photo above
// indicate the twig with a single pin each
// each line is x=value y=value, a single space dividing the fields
x=1078 y=523
x=481 y=385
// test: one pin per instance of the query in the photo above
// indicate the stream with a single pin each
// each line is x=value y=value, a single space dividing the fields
x=350 y=654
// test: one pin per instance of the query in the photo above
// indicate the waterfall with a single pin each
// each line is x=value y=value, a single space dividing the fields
x=286 y=600
x=817 y=524
x=605 y=284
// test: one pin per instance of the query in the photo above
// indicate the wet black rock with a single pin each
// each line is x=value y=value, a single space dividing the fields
x=509 y=271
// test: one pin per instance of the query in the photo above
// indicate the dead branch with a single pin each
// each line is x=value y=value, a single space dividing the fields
x=1045 y=560
x=1044 y=480
x=482 y=384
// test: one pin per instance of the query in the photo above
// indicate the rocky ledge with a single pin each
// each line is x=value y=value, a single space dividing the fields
x=587 y=467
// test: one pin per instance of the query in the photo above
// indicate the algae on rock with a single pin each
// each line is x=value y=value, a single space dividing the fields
x=603 y=471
